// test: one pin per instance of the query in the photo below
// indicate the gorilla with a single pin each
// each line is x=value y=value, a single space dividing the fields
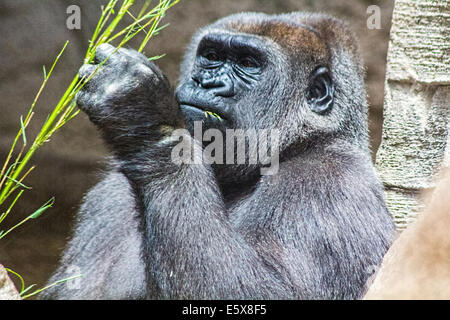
x=155 y=228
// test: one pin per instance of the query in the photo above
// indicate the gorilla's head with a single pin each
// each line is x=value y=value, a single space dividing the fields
x=298 y=72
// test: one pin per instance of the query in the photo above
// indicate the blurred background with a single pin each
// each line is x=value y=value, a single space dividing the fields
x=34 y=31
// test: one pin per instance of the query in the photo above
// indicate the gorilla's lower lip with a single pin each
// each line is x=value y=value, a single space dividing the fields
x=200 y=109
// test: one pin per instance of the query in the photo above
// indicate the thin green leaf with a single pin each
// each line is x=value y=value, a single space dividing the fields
x=34 y=215
x=156 y=57
x=42 y=209
x=4 y=214
x=212 y=114
x=27 y=289
x=24 y=137
x=5 y=190
x=18 y=183
x=18 y=276
x=51 y=285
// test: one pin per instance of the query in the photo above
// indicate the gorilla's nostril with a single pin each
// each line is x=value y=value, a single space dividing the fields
x=225 y=90
x=221 y=86
x=196 y=80
x=210 y=83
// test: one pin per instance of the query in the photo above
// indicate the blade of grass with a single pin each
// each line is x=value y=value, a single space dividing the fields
x=22 y=282
x=65 y=109
x=27 y=289
x=7 y=187
x=34 y=215
x=50 y=285
x=4 y=214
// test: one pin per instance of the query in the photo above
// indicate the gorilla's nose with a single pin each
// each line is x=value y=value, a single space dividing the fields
x=221 y=85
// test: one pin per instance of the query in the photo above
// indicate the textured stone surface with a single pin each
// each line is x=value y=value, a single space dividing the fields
x=7 y=289
x=415 y=141
x=420 y=42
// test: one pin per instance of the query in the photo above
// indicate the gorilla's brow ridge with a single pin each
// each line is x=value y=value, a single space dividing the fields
x=236 y=42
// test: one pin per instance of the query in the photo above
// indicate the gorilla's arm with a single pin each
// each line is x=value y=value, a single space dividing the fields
x=106 y=248
x=190 y=249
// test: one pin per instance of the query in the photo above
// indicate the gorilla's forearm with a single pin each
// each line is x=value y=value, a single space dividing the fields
x=136 y=119
x=191 y=250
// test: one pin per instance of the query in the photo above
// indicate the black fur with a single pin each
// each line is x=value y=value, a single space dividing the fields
x=153 y=228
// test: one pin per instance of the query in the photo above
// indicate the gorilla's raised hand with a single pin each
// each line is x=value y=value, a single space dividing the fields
x=128 y=98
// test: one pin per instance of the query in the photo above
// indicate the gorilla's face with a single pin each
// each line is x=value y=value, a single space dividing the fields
x=226 y=69
x=261 y=72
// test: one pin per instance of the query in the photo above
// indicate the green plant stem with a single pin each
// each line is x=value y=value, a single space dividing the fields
x=49 y=286
x=11 y=178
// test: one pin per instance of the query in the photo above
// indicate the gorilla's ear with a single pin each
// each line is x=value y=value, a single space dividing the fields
x=320 y=91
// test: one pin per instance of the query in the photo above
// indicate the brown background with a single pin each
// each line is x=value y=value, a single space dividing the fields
x=33 y=32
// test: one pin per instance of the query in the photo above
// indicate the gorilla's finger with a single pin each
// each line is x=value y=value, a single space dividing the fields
x=86 y=70
x=141 y=58
x=81 y=99
x=134 y=54
x=105 y=50
x=87 y=101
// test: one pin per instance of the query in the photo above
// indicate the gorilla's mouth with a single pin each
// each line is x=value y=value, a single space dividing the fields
x=196 y=111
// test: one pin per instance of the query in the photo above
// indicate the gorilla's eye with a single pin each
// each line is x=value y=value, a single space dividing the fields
x=211 y=56
x=248 y=62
